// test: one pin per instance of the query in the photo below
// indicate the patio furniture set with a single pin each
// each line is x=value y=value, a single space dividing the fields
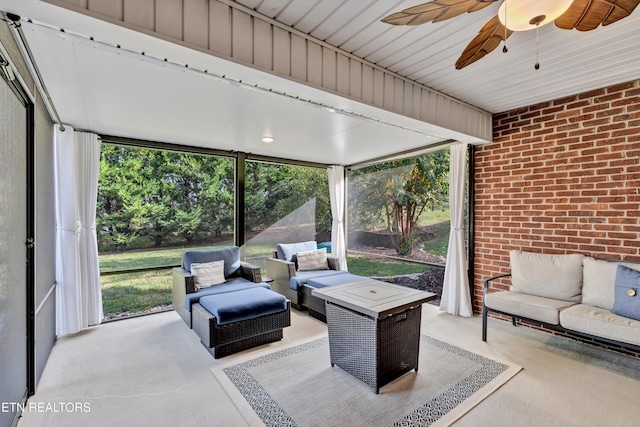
x=226 y=303
x=374 y=327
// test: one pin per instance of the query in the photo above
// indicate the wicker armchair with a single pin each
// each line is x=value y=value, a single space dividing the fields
x=282 y=271
x=247 y=275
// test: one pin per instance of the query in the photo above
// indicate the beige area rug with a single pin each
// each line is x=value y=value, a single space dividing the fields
x=298 y=387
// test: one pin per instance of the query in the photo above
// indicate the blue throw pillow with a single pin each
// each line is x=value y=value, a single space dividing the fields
x=627 y=293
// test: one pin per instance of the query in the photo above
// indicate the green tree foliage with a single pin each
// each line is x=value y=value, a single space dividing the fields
x=274 y=190
x=151 y=198
x=394 y=195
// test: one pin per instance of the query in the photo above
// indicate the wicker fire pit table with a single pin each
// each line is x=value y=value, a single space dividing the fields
x=374 y=328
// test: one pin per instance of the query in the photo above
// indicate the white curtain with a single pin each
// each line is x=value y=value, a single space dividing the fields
x=337 y=196
x=78 y=294
x=87 y=164
x=456 y=299
x=68 y=298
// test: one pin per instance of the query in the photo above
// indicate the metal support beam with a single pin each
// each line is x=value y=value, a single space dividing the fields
x=240 y=201
x=470 y=206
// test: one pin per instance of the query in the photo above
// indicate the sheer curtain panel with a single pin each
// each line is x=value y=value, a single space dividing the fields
x=87 y=163
x=78 y=294
x=337 y=196
x=456 y=298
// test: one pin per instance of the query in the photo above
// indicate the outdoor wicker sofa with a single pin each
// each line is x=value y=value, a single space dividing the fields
x=238 y=275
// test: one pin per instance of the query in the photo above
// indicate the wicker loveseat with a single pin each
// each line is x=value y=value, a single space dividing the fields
x=239 y=276
x=287 y=278
x=570 y=293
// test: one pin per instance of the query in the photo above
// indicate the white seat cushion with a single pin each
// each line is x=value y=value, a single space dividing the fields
x=600 y=322
x=530 y=306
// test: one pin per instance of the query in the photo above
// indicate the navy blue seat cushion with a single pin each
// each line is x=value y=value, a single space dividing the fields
x=242 y=305
x=302 y=277
x=230 y=255
x=231 y=285
x=323 y=282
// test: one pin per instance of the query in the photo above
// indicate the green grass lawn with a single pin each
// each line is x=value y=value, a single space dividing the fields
x=434 y=217
x=157 y=258
x=141 y=259
x=135 y=292
x=365 y=266
x=140 y=291
x=440 y=242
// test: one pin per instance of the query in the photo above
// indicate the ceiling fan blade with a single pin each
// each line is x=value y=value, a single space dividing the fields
x=435 y=11
x=587 y=15
x=487 y=40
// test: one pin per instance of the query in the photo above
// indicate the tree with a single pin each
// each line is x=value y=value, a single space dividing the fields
x=274 y=190
x=396 y=193
x=151 y=196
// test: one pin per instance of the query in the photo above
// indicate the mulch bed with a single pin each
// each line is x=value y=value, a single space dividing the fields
x=430 y=281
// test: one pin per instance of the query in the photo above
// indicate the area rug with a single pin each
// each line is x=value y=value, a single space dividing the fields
x=298 y=387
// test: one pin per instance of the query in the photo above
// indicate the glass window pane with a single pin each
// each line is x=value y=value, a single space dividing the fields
x=152 y=205
x=284 y=204
x=398 y=211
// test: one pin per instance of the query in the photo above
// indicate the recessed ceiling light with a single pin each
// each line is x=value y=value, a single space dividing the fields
x=267 y=139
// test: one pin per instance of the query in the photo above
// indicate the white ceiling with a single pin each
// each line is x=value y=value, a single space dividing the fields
x=571 y=61
x=112 y=91
x=124 y=94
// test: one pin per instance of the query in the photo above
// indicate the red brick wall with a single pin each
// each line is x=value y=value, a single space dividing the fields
x=561 y=177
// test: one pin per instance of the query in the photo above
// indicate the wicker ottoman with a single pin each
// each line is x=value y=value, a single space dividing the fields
x=235 y=321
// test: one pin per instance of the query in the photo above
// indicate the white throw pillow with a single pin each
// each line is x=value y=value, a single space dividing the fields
x=208 y=273
x=547 y=275
x=313 y=260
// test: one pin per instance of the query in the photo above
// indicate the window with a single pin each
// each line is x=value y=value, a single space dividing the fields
x=398 y=219
x=284 y=204
x=152 y=205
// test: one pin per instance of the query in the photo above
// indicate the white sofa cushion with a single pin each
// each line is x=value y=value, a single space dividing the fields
x=600 y=322
x=598 y=287
x=547 y=275
x=530 y=306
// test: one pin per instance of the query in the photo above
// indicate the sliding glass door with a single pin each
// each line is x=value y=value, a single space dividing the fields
x=14 y=359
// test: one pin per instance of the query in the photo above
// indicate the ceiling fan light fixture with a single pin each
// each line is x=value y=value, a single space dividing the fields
x=523 y=15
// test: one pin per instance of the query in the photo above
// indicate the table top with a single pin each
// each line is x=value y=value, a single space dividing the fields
x=374 y=298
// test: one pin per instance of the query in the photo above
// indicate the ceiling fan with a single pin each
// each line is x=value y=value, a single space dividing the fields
x=516 y=15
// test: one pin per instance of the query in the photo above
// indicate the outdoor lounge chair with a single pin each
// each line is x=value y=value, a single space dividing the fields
x=287 y=278
x=238 y=276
